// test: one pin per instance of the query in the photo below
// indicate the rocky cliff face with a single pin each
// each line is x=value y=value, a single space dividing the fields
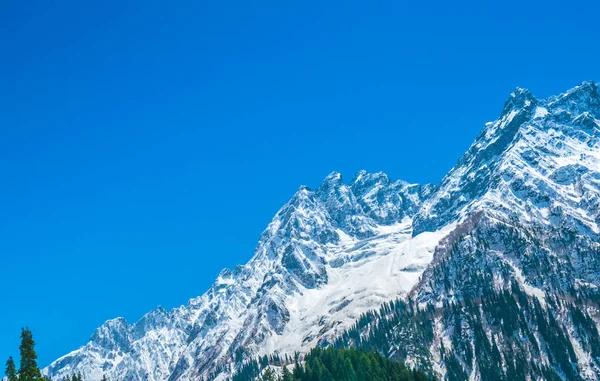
x=518 y=214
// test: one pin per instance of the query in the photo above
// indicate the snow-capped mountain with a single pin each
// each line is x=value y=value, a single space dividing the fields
x=518 y=214
x=512 y=291
x=532 y=158
x=329 y=255
x=535 y=170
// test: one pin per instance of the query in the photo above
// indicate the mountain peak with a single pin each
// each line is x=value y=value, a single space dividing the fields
x=581 y=98
x=585 y=86
x=583 y=92
x=363 y=177
x=334 y=178
x=520 y=91
x=112 y=334
x=518 y=99
x=521 y=146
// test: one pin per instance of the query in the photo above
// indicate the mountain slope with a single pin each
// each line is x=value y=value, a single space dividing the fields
x=515 y=219
x=512 y=291
x=529 y=160
x=329 y=255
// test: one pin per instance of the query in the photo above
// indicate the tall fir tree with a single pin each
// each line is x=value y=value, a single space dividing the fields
x=28 y=371
x=11 y=371
x=269 y=375
x=287 y=375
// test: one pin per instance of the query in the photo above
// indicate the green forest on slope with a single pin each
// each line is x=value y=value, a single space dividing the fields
x=330 y=364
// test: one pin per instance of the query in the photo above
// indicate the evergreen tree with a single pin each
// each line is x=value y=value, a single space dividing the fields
x=11 y=371
x=28 y=370
x=269 y=375
x=298 y=371
x=287 y=375
x=77 y=377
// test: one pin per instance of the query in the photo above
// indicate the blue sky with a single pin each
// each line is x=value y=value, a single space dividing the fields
x=143 y=148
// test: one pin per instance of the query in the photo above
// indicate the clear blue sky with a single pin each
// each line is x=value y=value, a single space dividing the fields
x=144 y=147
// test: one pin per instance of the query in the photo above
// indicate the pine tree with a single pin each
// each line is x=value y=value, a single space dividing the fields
x=269 y=375
x=298 y=371
x=11 y=372
x=287 y=375
x=28 y=370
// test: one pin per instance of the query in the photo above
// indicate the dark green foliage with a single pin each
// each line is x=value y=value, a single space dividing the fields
x=497 y=332
x=249 y=371
x=395 y=323
x=501 y=333
x=76 y=377
x=287 y=375
x=454 y=371
x=268 y=375
x=331 y=364
x=28 y=371
x=11 y=371
x=349 y=364
x=397 y=330
x=587 y=330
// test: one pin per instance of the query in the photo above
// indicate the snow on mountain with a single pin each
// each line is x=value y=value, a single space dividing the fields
x=329 y=255
x=517 y=279
x=534 y=172
x=538 y=156
x=519 y=209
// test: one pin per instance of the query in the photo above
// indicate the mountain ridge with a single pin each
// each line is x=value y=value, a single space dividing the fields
x=534 y=172
x=290 y=258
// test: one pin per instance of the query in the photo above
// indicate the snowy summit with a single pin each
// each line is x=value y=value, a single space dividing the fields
x=520 y=210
